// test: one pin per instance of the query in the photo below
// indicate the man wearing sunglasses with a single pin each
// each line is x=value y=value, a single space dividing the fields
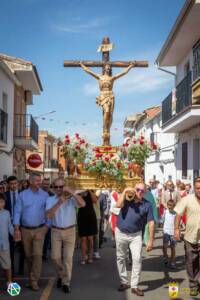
x=135 y=213
x=61 y=209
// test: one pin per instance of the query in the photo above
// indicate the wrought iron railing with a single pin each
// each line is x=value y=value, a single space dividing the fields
x=184 y=93
x=196 y=61
x=3 y=126
x=167 y=109
x=26 y=127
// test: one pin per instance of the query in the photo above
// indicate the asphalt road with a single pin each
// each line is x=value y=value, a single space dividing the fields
x=99 y=281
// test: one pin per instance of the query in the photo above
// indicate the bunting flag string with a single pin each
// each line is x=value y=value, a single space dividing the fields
x=62 y=121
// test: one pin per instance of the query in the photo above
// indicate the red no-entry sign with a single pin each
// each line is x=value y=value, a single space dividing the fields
x=34 y=160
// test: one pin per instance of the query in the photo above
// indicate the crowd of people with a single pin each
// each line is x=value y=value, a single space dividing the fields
x=40 y=219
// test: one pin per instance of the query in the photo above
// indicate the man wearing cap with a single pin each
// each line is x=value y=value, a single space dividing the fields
x=134 y=214
x=61 y=209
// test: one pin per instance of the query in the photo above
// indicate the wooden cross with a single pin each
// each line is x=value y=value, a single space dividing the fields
x=105 y=59
x=106 y=98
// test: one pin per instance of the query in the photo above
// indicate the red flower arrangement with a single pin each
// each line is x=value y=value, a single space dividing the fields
x=75 y=147
x=106 y=163
x=138 y=149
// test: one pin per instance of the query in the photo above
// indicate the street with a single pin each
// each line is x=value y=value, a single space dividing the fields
x=100 y=280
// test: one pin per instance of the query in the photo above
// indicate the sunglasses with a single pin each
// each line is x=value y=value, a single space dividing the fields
x=139 y=190
x=58 y=186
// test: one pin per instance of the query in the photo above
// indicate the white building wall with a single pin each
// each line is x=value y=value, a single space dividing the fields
x=180 y=69
x=160 y=165
x=193 y=162
x=6 y=160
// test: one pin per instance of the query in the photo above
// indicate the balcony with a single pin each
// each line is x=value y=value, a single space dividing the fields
x=183 y=113
x=3 y=127
x=167 y=109
x=196 y=74
x=25 y=132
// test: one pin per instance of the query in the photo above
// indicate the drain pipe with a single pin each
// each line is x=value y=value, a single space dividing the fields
x=166 y=71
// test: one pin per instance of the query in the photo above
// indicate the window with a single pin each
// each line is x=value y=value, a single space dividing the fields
x=196 y=61
x=5 y=102
x=187 y=68
x=196 y=158
x=4 y=118
x=184 y=160
x=153 y=137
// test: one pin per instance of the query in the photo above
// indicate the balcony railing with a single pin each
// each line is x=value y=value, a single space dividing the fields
x=196 y=60
x=167 y=109
x=184 y=93
x=3 y=126
x=26 y=127
x=183 y=96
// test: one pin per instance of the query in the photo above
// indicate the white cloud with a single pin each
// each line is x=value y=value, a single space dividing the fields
x=137 y=81
x=81 y=27
x=147 y=80
x=91 y=89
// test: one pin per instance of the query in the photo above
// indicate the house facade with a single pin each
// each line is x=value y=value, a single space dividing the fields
x=160 y=165
x=181 y=112
x=19 y=131
x=53 y=163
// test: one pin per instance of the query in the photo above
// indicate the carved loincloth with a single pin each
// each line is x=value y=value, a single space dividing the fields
x=106 y=101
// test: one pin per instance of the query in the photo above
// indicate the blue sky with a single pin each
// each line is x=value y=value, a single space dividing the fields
x=47 y=32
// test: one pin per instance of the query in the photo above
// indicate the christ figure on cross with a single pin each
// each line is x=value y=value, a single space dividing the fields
x=106 y=98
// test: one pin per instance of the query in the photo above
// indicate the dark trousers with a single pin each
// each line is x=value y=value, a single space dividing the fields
x=192 y=253
x=13 y=247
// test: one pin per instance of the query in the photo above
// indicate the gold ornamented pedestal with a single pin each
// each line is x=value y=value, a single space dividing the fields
x=87 y=180
x=94 y=182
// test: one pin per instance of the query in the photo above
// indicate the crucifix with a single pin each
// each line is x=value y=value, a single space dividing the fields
x=106 y=80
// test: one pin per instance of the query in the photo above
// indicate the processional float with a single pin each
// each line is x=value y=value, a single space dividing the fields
x=106 y=100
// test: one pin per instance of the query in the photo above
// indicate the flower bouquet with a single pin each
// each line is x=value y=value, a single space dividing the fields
x=106 y=164
x=137 y=150
x=75 y=148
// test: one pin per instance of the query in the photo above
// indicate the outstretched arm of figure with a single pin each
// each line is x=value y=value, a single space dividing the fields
x=89 y=71
x=118 y=75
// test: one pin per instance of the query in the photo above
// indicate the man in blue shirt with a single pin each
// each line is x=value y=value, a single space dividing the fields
x=135 y=213
x=61 y=209
x=30 y=224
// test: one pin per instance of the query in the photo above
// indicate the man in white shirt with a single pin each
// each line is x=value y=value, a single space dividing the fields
x=61 y=209
x=191 y=205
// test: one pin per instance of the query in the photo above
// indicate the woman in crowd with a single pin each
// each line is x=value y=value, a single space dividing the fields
x=87 y=226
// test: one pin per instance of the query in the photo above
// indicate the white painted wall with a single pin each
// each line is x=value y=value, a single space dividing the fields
x=162 y=164
x=188 y=137
x=180 y=69
x=6 y=161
